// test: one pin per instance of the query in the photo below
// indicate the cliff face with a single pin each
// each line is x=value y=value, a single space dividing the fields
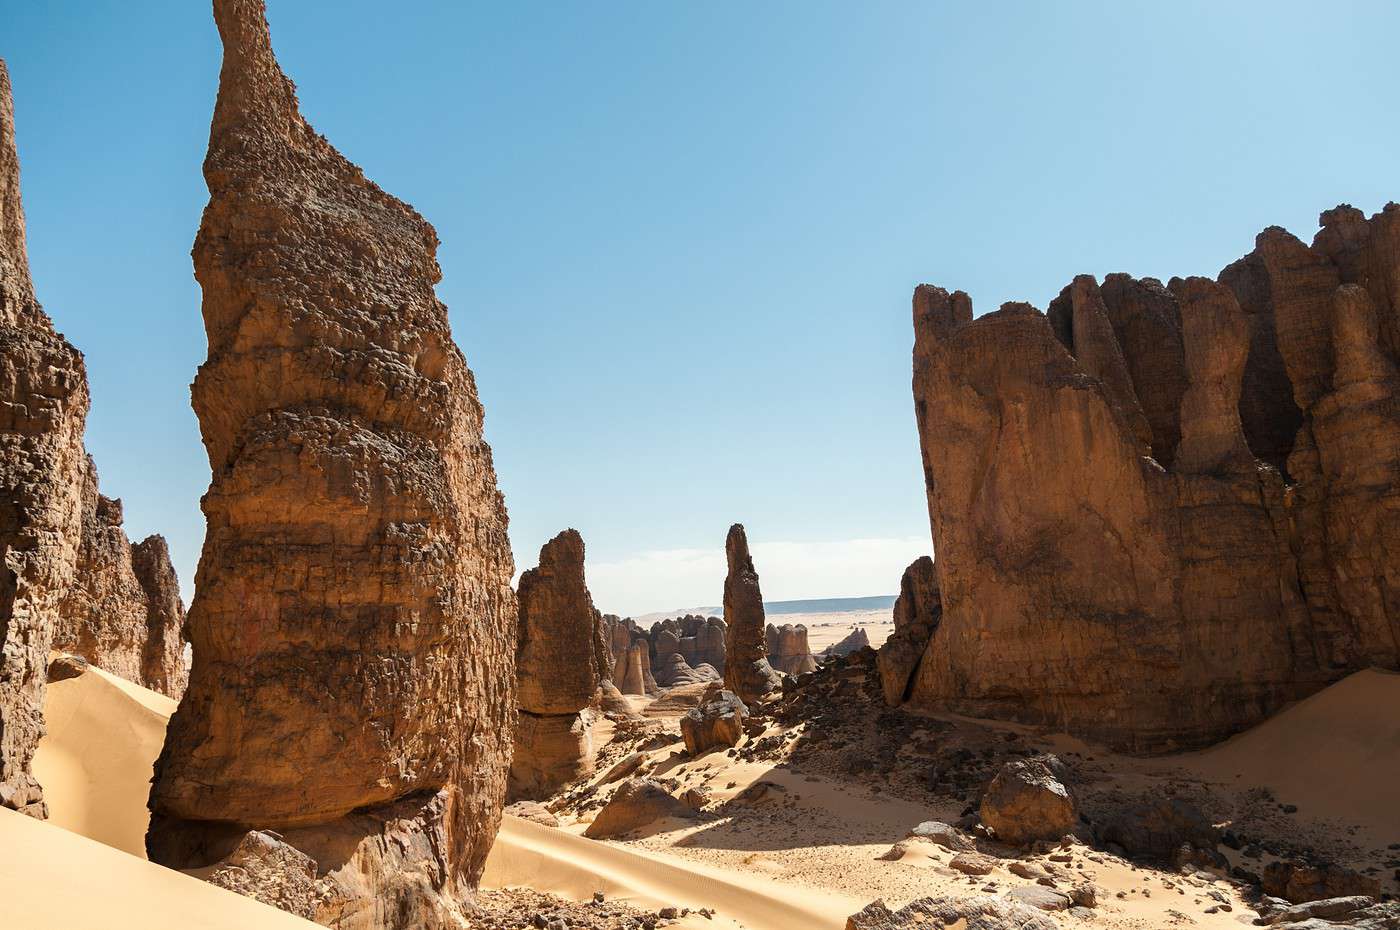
x=123 y=612
x=1162 y=512
x=746 y=669
x=353 y=625
x=43 y=407
x=558 y=661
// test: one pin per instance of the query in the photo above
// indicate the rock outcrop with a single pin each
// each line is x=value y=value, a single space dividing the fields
x=717 y=721
x=1161 y=513
x=123 y=611
x=353 y=625
x=558 y=659
x=1027 y=800
x=853 y=641
x=43 y=408
x=636 y=804
x=746 y=669
x=788 y=651
x=917 y=611
x=673 y=672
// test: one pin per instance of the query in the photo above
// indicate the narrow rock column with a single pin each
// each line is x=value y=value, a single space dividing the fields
x=353 y=624
x=746 y=669
x=43 y=407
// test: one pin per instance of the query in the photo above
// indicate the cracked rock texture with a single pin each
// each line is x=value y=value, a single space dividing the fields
x=1162 y=512
x=353 y=625
x=123 y=611
x=43 y=408
x=746 y=669
x=560 y=655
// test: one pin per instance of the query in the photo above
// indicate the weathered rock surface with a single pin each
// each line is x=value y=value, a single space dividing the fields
x=975 y=912
x=43 y=408
x=788 y=651
x=917 y=611
x=746 y=669
x=673 y=671
x=560 y=655
x=637 y=803
x=353 y=625
x=1161 y=513
x=1302 y=882
x=264 y=868
x=717 y=721
x=123 y=611
x=853 y=641
x=1027 y=800
x=1156 y=829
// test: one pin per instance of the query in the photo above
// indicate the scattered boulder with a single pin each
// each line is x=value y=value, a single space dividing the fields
x=1040 y=897
x=718 y=721
x=624 y=767
x=637 y=803
x=746 y=669
x=942 y=834
x=1158 y=829
x=266 y=869
x=353 y=631
x=1300 y=882
x=975 y=912
x=65 y=667
x=533 y=811
x=973 y=863
x=1027 y=801
x=675 y=702
x=612 y=701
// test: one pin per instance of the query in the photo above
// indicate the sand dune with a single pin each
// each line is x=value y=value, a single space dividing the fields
x=95 y=763
x=549 y=859
x=51 y=879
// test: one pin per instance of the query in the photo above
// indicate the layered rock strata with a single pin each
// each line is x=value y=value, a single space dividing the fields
x=746 y=669
x=353 y=626
x=558 y=659
x=123 y=611
x=1161 y=513
x=43 y=408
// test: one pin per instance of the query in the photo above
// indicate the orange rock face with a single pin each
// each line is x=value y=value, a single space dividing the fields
x=353 y=625
x=746 y=669
x=560 y=655
x=123 y=611
x=788 y=651
x=1162 y=512
x=43 y=407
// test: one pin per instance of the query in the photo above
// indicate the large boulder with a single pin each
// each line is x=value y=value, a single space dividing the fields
x=1133 y=492
x=746 y=669
x=637 y=803
x=974 y=912
x=718 y=721
x=43 y=408
x=1156 y=829
x=1301 y=882
x=1027 y=800
x=354 y=626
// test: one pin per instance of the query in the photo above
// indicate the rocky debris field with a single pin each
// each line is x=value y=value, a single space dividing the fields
x=522 y=908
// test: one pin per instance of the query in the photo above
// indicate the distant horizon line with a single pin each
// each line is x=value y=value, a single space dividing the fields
x=872 y=602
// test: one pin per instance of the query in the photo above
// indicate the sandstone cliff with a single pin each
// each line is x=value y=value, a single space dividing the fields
x=123 y=611
x=353 y=625
x=1162 y=512
x=557 y=665
x=43 y=407
x=746 y=669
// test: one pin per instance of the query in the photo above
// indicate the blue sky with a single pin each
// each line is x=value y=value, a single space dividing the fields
x=679 y=239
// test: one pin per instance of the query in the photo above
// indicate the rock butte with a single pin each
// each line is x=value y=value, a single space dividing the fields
x=746 y=669
x=1161 y=513
x=788 y=651
x=123 y=611
x=353 y=624
x=43 y=408
x=561 y=659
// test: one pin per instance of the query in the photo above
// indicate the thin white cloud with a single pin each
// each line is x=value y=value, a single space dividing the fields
x=669 y=579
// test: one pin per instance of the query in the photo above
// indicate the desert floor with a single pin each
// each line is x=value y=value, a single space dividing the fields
x=788 y=838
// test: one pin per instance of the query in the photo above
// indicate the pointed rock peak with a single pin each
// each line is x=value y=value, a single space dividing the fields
x=736 y=549
x=16 y=288
x=564 y=549
x=251 y=84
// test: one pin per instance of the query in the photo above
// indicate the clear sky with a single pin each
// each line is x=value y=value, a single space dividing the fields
x=679 y=240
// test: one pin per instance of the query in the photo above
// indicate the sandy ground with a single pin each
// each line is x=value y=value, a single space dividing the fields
x=828 y=629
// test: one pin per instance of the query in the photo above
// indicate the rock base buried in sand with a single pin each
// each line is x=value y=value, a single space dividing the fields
x=1028 y=801
x=1156 y=830
x=978 y=912
x=637 y=803
x=264 y=868
x=718 y=721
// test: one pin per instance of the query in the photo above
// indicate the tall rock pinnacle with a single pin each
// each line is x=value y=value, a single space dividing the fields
x=746 y=669
x=353 y=624
x=43 y=407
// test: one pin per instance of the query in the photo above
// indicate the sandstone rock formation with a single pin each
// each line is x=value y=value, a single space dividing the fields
x=917 y=611
x=746 y=669
x=43 y=407
x=788 y=651
x=1027 y=800
x=853 y=641
x=1157 y=828
x=1161 y=513
x=673 y=671
x=637 y=803
x=717 y=721
x=974 y=912
x=123 y=611
x=559 y=655
x=353 y=624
